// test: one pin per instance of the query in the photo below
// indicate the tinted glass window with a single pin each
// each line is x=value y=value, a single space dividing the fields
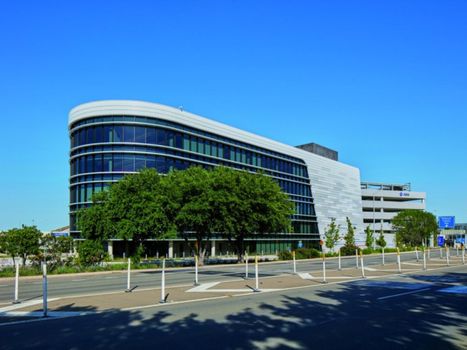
x=140 y=134
x=117 y=162
x=118 y=134
x=129 y=134
x=151 y=136
x=128 y=162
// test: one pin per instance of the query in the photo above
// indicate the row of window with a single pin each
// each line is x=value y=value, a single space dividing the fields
x=163 y=137
x=155 y=121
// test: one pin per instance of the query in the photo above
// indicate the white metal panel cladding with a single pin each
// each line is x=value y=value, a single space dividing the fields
x=335 y=186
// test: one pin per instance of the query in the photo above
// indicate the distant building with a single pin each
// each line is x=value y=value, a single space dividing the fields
x=320 y=150
x=381 y=202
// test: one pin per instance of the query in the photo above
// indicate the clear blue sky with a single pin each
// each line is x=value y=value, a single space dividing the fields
x=384 y=83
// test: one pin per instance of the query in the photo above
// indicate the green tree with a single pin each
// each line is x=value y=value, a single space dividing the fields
x=132 y=209
x=414 y=227
x=380 y=241
x=349 y=239
x=331 y=235
x=21 y=242
x=249 y=204
x=369 y=237
x=191 y=202
x=52 y=249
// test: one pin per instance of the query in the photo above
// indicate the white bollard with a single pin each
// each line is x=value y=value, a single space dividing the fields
x=399 y=261
x=382 y=255
x=429 y=255
x=356 y=258
x=457 y=251
x=246 y=267
x=44 y=289
x=416 y=253
x=163 y=282
x=339 y=261
x=256 y=275
x=363 y=267
x=424 y=259
x=463 y=256
x=447 y=256
x=324 y=269
x=128 y=290
x=294 y=263
x=196 y=271
x=16 y=301
x=440 y=253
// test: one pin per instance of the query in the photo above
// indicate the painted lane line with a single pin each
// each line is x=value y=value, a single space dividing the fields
x=79 y=280
x=370 y=269
x=454 y=290
x=305 y=276
x=23 y=305
x=401 y=294
x=203 y=287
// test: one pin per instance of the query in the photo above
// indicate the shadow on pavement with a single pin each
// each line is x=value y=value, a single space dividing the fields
x=346 y=317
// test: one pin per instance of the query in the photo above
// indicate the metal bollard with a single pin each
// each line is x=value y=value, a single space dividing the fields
x=246 y=266
x=44 y=289
x=399 y=261
x=382 y=255
x=128 y=289
x=294 y=263
x=196 y=283
x=339 y=260
x=163 y=282
x=16 y=300
x=324 y=269
x=363 y=267
x=356 y=258
x=256 y=275
x=424 y=259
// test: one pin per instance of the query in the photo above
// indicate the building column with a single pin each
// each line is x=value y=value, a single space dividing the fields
x=171 y=249
x=213 y=248
x=110 y=248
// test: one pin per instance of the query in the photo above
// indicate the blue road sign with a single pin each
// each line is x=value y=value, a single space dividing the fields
x=440 y=241
x=446 y=222
x=460 y=240
x=60 y=234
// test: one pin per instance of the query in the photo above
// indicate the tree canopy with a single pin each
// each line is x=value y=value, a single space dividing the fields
x=331 y=235
x=196 y=203
x=21 y=242
x=414 y=227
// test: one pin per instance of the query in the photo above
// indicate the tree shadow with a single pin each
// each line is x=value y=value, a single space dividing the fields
x=347 y=316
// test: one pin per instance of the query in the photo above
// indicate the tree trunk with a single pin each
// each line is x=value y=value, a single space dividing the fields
x=200 y=250
x=24 y=260
x=240 y=249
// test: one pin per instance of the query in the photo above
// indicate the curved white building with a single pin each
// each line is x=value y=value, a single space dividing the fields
x=112 y=138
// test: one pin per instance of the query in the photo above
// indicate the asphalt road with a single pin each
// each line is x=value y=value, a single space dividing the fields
x=407 y=311
x=79 y=284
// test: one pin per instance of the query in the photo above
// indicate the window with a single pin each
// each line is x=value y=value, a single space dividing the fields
x=128 y=134
x=128 y=162
x=108 y=163
x=151 y=136
x=117 y=162
x=118 y=133
x=140 y=162
x=98 y=163
x=90 y=135
x=108 y=134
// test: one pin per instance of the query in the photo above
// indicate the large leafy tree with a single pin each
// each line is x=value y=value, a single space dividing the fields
x=191 y=203
x=249 y=204
x=21 y=242
x=331 y=235
x=414 y=227
x=132 y=209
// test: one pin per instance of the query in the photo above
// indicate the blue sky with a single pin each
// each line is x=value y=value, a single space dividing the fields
x=384 y=83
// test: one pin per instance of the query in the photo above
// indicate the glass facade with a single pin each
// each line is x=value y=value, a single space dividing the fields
x=105 y=148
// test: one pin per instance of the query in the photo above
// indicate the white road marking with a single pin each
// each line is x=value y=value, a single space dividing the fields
x=23 y=305
x=305 y=275
x=205 y=288
x=370 y=269
x=401 y=294
x=110 y=278
x=80 y=280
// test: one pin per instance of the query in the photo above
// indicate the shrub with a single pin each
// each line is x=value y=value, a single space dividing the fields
x=307 y=253
x=348 y=250
x=91 y=253
x=285 y=255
